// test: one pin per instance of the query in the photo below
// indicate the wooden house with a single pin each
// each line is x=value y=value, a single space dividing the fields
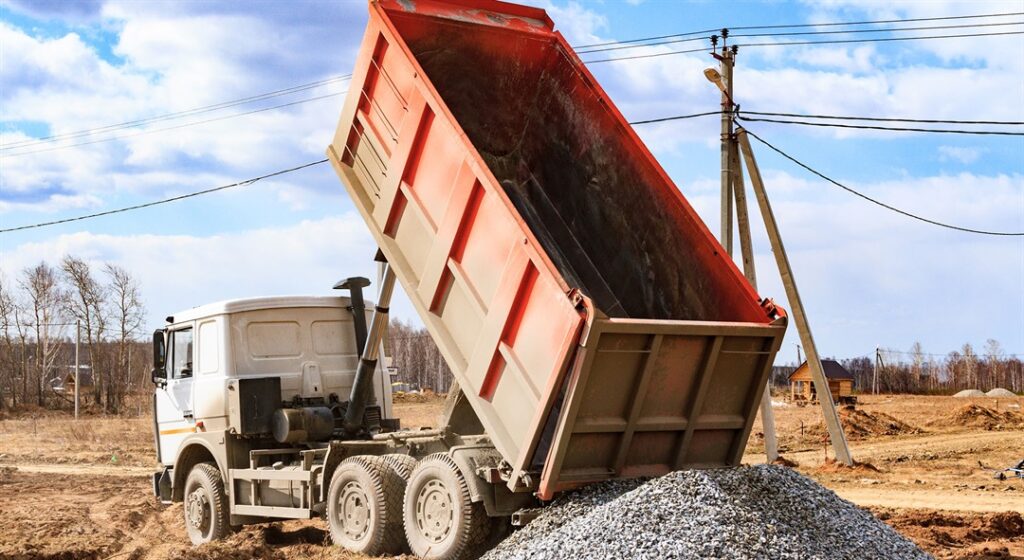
x=840 y=383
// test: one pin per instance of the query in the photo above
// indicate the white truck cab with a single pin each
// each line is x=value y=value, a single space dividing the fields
x=309 y=343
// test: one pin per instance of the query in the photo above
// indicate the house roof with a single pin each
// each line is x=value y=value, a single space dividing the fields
x=833 y=370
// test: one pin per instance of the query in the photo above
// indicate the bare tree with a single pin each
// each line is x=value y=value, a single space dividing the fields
x=86 y=303
x=10 y=359
x=45 y=301
x=127 y=316
x=994 y=364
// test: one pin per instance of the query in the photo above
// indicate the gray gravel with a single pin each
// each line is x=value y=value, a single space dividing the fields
x=745 y=512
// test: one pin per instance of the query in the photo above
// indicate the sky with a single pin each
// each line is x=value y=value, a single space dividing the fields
x=868 y=277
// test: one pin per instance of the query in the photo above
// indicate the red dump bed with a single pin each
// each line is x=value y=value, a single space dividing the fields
x=588 y=314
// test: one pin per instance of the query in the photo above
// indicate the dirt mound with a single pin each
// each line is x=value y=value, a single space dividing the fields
x=969 y=393
x=417 y=397
x=1001 y=393
x=970 y=535
x=831 y=466
x=859 y=424
x=976 y=416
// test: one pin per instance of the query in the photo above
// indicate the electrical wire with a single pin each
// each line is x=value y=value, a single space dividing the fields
x=796 y=43
x=255 y=179
x=805 y=33
x=879 y=39
x=175 y=127
x=179 y=114
x=167 y=200
x=881 y=119
x=888 y=128
x=638 y=56
x=581 y=49
x=801 y=25
x=676 y=118
x=873 y=200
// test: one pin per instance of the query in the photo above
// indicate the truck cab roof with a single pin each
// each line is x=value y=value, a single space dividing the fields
x=227 y=307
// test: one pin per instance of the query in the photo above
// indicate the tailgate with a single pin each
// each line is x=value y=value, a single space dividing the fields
x=648 y=397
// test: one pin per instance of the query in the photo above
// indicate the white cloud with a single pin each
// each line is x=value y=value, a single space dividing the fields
x=962 y=154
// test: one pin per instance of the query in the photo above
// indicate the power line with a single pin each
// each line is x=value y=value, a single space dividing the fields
x=801 y=25
x=255 y=179
x=879 y=39
x=872 y=200
x=882 y=119
x=178 y=114
x=166 y=200
x=888 y=128
x=676 y=118
x=638 y=56
x=798 y=43
x=805 y=33
x=175 y=127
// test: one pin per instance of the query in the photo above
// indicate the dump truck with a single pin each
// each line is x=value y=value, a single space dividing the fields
x=594 y=326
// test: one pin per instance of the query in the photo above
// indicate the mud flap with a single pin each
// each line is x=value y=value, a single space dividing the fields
x=162 y=485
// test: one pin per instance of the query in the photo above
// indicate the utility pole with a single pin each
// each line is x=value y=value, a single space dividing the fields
x=734 y=188
x=726 y=60
x=799 y=360
x=78 y=343
x=828 y=407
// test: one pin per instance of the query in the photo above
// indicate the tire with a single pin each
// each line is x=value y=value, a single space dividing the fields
x=441 y=521
x=402 y=464
x=206 y=505
x=364 y=506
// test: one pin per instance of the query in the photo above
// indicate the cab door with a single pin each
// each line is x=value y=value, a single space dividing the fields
x=174 y=416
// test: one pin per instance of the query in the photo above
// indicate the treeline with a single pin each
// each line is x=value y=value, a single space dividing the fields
x=416 y=357
x=41 y=309
x=421 y=365
x=916 y=371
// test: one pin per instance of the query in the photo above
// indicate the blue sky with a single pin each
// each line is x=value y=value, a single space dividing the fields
x=869 y=278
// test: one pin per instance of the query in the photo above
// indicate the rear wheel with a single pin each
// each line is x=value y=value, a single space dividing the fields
x=403 y=464
x=364 y=506
x=441 y=521
x=206 y=505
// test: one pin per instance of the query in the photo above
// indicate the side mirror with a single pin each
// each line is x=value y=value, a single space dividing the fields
x=159 y=357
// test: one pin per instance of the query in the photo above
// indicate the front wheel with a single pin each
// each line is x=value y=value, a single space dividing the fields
x=206 y=505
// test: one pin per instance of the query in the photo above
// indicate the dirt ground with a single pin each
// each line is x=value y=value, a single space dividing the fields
x=76 y=490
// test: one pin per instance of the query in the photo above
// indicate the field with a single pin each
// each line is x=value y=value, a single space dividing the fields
x=72 y=490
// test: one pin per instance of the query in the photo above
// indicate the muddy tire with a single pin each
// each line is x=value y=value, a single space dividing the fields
x=206 y=505
x=402 y=464
x=441 y=521
x=364 y=506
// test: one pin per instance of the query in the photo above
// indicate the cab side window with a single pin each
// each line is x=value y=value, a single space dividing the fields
x=181 y=354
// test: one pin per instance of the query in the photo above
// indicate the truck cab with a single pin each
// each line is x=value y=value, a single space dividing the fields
x=224 y=368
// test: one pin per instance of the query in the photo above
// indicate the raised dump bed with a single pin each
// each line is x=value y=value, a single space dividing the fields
x=592 y=320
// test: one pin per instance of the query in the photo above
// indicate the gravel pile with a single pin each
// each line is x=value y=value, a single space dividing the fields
x=746 y=512
x=969 y=393
x=1001 y=393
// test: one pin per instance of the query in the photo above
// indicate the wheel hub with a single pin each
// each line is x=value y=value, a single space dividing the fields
x=434 y=511
x=198 y=510
x=354 y=511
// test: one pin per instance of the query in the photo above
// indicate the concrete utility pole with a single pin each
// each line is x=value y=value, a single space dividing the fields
x=727 y=59
x=78 y=342
x=828 y=407
x=734 y=188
